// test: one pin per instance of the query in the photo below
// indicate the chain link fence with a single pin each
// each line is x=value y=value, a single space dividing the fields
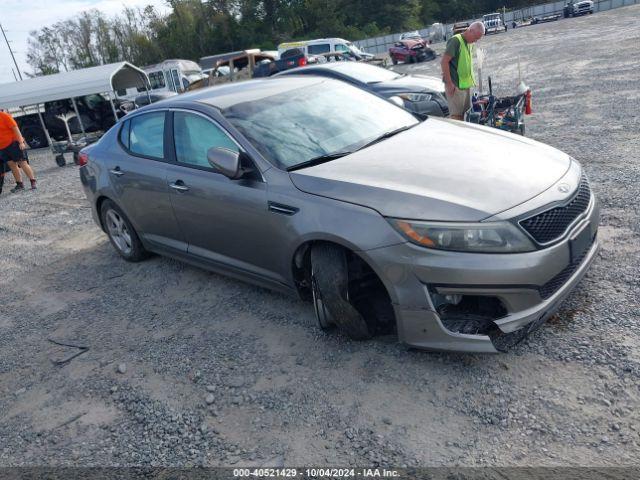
x=380 y=45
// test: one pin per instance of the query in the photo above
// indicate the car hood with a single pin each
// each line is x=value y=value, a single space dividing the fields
x=411 y=83
x=440 y=170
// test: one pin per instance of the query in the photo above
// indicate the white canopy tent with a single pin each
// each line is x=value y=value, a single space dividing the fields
x=70 y=85
x=76 y=83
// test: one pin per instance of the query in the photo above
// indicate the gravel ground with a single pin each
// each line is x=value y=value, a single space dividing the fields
x=185 y=367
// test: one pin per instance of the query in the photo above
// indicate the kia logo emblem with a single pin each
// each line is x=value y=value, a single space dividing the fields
x=564 y=188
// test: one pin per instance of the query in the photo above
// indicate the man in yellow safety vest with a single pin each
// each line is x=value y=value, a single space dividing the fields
x=457 y=69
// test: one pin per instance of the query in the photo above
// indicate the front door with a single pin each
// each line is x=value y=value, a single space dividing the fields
x=138 y=175
x=224 y=221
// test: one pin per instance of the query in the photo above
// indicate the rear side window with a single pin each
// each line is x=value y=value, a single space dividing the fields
x=320 y=48
x=146 y=135
x=124 y=134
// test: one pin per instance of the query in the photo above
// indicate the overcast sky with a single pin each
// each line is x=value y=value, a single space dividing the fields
x=19 y=17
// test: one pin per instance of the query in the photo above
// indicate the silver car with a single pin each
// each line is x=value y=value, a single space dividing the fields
x=454 y=236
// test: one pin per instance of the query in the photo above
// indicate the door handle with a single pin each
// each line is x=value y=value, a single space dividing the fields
x=117 y=172
x=179 y=186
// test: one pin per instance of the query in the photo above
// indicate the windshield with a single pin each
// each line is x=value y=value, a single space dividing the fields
x=294 y=127
x=365 y=73
x=354 y=48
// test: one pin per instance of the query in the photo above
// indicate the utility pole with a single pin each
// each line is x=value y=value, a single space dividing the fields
x=11 y=51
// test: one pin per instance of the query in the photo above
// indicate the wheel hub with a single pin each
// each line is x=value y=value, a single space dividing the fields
x=119 y=232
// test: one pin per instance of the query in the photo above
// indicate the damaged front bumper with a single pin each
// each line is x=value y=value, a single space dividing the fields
x=527 y=289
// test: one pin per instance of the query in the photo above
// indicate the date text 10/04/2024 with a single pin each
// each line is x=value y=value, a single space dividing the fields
x=315 y=473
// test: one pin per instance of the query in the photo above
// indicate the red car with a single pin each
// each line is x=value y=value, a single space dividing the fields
x=411 y=51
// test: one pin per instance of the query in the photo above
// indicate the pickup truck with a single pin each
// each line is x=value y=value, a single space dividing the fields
x=573 y=8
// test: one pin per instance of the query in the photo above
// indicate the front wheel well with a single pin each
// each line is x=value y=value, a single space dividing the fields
x=367 y=292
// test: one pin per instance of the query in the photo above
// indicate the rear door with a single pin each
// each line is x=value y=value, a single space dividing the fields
x=225 y=222
x=138 y=175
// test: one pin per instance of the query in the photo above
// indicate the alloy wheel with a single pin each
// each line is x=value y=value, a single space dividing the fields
x=119 y=232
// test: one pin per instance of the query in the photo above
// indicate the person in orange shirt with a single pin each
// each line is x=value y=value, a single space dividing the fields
x=12 y=146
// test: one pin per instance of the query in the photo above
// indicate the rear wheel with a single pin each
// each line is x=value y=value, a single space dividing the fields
x=121 y=233
x=35 y=137
x=330 y=283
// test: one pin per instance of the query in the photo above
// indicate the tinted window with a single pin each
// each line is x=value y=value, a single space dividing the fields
x=157 y=80
x=146 y=135
x=320 y=48
x=124 y=134
x=328 y=117
x=194 y=136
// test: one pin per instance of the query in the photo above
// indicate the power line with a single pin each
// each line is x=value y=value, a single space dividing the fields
x=11 y=51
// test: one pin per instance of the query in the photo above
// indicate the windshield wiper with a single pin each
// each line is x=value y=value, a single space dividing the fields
x=384 y=136
x=318 y=160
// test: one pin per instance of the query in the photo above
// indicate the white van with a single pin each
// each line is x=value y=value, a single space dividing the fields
x=325 y=45
x=493 y=23
x=167 y=76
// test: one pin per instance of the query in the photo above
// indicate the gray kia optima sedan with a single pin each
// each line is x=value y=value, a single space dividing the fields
x=455 y=236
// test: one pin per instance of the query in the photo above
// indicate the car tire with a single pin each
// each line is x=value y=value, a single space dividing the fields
x=35 y=138
x=121 y=233
x=60 y=160
x=394 y=60
x=330 y=275
x=323 y=315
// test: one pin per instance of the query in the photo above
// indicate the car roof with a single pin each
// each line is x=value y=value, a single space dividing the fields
x=224 y=96
x=338 y=66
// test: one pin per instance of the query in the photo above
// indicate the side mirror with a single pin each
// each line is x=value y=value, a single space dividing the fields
x=397 y=100
x=226 y=161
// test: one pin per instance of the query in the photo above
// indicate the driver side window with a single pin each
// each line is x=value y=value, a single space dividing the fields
x=194 y=136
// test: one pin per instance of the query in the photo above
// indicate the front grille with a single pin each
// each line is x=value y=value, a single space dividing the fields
x=553 y=285
x=552 y=224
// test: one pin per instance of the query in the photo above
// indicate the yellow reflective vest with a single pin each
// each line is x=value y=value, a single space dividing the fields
x=466 y=79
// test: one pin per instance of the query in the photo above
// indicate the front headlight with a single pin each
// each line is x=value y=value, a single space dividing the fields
x=415 y=97
x=493 y=237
